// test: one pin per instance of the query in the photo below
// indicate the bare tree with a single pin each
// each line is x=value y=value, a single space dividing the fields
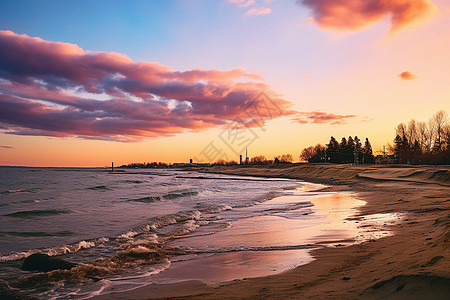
x=401 y=131
x=437 y=123
x=260 y=159
x=286 y=158
x=307 y=153
x=446 y=137
x=412 y=132
x=422 y=136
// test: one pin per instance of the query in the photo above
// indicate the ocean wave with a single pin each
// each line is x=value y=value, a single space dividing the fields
x=35 y=233
x=169 y=196
x=37 y=213
x=127 y=239
x=110 y=283
x=32 y=190
x=60 y=250
x=128 y=258
x=288 y=208
x=133 y=181
x=211 y=208
x=149 y=199
x=99 y=187
x=161 y=221
x=263 y=248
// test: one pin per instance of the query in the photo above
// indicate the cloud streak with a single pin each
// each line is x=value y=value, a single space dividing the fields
x=358 y=14
x=258 y=11
x=58 y=89
x=252 y=10
x=319 y=117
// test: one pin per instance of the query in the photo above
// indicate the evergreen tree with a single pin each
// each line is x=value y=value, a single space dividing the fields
x=342 y=157
x=350 y=144
x=358 y=148
x=368 y=153
x=350 y=149
x=333 y=150
x=343 y=144
x=398 y=142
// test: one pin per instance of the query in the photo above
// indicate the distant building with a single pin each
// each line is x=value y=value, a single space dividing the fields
x=190 y=164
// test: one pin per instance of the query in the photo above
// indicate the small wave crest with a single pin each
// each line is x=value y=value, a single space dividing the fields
x=32 y=190
x=211 y=208
x=169 y=196
x=99 y=187
x=55 y=250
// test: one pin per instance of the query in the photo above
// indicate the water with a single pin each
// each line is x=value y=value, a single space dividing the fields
x=130 y=228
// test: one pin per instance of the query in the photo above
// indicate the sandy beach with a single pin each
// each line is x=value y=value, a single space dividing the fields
x=411 y=264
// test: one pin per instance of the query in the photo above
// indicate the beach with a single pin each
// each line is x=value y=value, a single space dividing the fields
x=413 y=263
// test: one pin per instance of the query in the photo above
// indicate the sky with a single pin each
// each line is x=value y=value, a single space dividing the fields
x=87 y=83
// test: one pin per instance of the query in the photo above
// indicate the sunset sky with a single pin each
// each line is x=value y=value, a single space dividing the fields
x=85 y=83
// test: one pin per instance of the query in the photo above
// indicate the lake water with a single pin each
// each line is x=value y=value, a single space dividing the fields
x=134 y=227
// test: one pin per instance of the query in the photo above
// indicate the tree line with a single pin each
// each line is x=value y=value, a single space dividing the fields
x=415 y=143
x=348 y=150
x=259 y=160
x=423 y=142
x=147 y=165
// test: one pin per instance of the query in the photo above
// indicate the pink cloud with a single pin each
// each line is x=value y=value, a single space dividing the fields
x=243 y=3
x=258 y=11
x=319 y=117
x=407 y=76
x=358 y=14
x=43 y=88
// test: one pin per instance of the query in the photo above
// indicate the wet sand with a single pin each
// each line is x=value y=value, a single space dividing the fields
x=411 y=264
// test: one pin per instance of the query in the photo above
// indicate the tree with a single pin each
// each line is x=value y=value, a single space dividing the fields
x=286 y=158
x=307 y=154
x=314 y=154
x=333 y=150
x=343 y=144
x=358 y=149
x=258 y=160
x=350 y=144
x=412 y=132
x=422 y=136
x=357 y=144
x=343 y=155
x=367 y=152
x=397 y=146
x=437 y=124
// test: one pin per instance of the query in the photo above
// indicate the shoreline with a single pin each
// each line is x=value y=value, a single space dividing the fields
x=412 y=262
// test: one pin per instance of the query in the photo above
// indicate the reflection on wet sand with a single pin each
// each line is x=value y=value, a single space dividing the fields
x=289 y=224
